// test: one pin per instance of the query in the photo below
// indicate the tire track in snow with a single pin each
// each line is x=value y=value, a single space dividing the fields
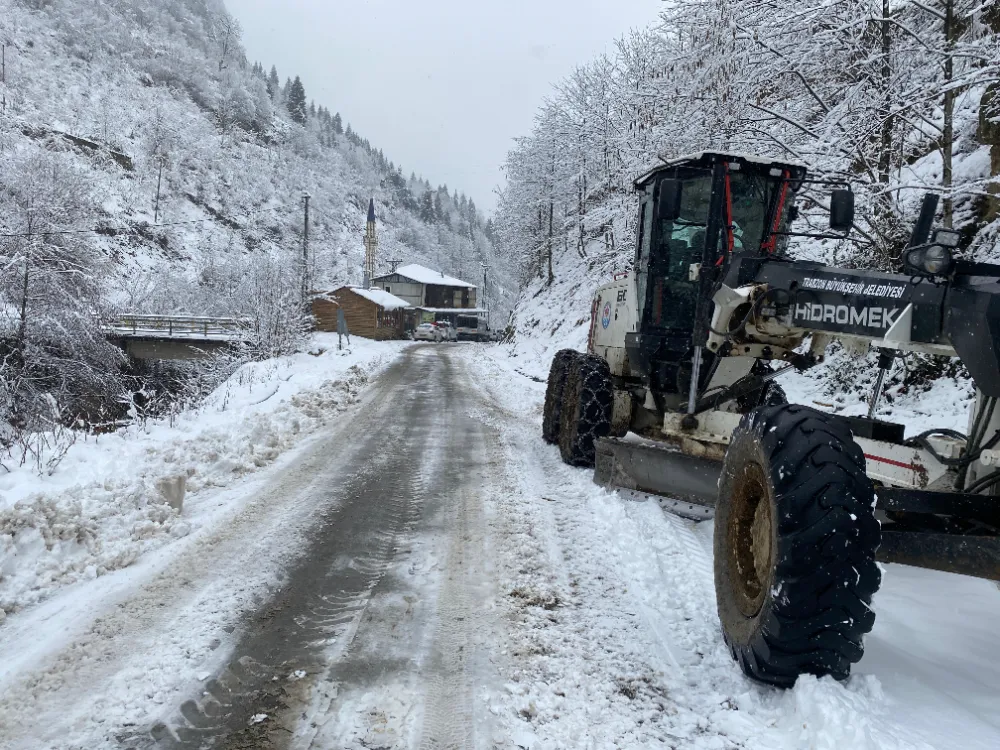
x=407 y=679
x=447 y=721
x=313 y=621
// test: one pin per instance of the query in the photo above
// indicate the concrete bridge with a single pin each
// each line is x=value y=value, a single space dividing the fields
x=176 y=336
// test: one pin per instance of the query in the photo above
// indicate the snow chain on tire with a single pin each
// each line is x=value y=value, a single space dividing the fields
x=586 y=409
x=795 y=543
x=771 y=394
x=554 y=394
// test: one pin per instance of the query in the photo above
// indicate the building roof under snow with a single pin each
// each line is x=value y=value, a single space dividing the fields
x=383 y=299
x=423 y=275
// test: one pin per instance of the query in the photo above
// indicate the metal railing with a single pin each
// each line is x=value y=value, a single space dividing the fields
x=180 y=327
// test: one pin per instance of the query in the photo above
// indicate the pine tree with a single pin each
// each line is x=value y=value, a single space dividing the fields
x=297 y=107
x=273 y=82
x=427 y=214
x=438 y=208
x=338 y=124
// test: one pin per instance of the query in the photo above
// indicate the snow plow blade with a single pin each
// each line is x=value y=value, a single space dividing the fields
x=683 y=485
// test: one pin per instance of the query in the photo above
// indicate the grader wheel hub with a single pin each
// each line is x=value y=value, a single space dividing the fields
x=750 y=545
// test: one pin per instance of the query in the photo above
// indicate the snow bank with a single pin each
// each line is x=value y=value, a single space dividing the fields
x=102 y=509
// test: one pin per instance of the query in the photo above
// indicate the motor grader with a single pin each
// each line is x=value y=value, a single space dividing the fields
x=675 y=399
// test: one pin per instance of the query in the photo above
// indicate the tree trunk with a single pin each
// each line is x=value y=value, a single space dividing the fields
x=552 y=276
x=541 y=254
x=948 y=132
x=884 y=215
x=989 y=127
x=582 y=242
x=885 y=146
x=22 y=328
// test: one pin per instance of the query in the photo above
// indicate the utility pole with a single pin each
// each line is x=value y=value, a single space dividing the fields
x=159 y=183
x=486 y=299
x=305 y=253
x=393 y=265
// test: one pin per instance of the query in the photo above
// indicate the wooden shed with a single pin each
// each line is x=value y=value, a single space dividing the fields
x=371 y=313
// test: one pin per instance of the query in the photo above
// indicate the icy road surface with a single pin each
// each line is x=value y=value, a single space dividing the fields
x=426 y=573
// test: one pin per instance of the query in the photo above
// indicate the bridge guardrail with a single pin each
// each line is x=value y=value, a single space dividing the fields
x=181 y=327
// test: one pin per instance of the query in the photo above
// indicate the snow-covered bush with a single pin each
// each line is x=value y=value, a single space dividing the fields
x=58 y=364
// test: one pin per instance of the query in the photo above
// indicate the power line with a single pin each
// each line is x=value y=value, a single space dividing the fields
x=103 y=230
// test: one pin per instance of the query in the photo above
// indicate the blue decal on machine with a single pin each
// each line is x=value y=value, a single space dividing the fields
x=606 y=317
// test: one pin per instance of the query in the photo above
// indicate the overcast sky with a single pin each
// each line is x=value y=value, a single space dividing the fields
x=441 y=86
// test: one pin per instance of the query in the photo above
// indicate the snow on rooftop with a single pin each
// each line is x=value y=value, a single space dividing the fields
x=751 y=158
x=423 y=275
x=381 y=298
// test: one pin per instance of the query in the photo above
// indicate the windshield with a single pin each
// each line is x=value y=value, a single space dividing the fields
x=675 y=245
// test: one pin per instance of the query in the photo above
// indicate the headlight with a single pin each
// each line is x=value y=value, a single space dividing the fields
x=930 y=260
x=937 y=260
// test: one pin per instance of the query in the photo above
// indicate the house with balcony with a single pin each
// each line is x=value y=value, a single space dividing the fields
x=428 y=289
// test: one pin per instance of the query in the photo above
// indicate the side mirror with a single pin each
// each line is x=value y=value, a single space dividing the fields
x=842 y=210
x=668 y=205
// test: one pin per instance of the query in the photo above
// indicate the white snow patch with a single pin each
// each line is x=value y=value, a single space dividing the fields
x=101 y=510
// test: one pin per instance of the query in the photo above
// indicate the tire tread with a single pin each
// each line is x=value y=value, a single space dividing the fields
x=825 y=573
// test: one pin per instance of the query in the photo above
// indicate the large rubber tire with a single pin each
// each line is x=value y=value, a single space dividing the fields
x=554 y=394
x=586 y=409
x=795 y=543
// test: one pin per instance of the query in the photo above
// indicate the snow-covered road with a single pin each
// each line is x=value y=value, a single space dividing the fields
x=331 y=609
x=426 y=573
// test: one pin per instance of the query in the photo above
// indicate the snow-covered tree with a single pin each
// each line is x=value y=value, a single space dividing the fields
x=297 y=101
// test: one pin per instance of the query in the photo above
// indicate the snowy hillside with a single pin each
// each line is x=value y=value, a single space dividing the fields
x=113 y=91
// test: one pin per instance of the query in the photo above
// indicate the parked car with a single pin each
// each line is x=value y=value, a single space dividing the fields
x=428 y=332
x=448 y=331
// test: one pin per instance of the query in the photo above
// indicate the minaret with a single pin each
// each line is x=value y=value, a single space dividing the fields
x=371 y=246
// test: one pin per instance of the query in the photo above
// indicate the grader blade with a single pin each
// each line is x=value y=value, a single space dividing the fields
x=683 y=485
